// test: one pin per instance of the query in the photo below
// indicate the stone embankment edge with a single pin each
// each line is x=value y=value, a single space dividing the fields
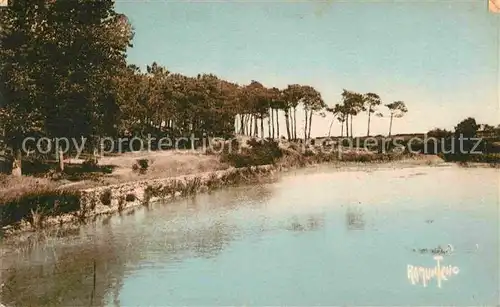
x=111 y=199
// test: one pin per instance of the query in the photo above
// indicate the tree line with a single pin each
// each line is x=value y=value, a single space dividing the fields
x=354 y=103
x=158 y=101
x=469 y=141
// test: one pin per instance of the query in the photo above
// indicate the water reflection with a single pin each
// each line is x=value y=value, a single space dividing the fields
x=65 y=276
x=200 y=226
x=309 y=223
x=62 y=275
x=355 y=218
x=58 y=270
x=205 y=241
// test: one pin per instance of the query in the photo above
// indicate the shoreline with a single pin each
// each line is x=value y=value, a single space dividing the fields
x=116 y=198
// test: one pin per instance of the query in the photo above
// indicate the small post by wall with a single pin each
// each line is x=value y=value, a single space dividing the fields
x=60 y=159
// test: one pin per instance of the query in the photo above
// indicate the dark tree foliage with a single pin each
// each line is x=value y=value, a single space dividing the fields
x=467 y=127
x=58 y=61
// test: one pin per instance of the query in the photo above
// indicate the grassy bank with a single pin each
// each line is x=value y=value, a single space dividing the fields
x=41 y=208
x=32 y=203
x=490 y=158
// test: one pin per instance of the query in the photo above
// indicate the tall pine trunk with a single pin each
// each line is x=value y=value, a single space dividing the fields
x=241 y=124
x=347 y=125
x=294 y=123
x=244 y=126
x=330 y=129
x=277 y=124
x=269 y=123
x=351 y=126
x=310 y=124
x=262 y=126
x=369 y=113
x=250 y=125
x=305 y=127
x=269 y=128
x=287 y=122
x=256 y=126
x=271 y=116
x=390 y=125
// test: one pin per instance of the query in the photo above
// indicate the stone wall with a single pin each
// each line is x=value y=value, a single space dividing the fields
x=119 y=197
x=115 y=198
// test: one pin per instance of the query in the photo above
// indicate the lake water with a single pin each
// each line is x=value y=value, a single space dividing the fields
x=315 y=237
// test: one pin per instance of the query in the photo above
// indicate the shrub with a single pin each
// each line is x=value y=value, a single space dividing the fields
x=293 y=146
x=309 y=153
x=216 y=146
x=37 y=204
x=261 y=152
x=89 y=165
x=106 y=197
x=130 y=197
x=141 y=165
x=364 y=157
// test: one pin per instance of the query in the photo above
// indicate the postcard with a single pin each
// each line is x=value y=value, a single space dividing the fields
x=249 y=153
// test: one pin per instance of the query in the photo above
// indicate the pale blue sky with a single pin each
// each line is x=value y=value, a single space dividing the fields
x=440 y=57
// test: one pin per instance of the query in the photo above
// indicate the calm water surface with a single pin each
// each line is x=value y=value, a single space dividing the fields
x=321 y=237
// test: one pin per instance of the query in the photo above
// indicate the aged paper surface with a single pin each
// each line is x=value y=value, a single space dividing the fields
x=494 y=6
x=249 y=153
